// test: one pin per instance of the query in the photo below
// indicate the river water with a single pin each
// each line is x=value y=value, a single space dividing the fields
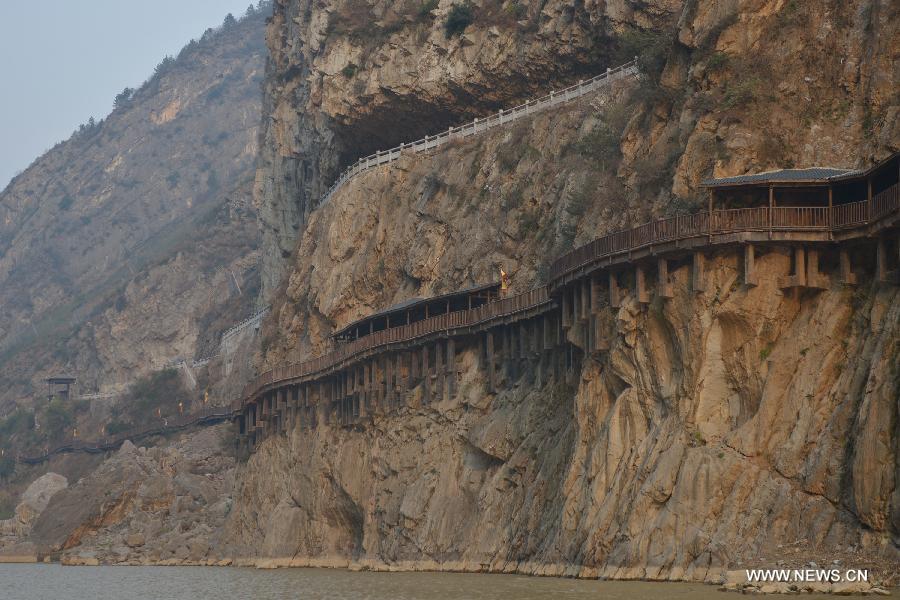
x=55 y=582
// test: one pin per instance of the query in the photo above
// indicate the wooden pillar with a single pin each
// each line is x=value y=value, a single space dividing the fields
x=451 y=367
x=662 y=274
x=698 y=280
x=595 y=295
x=848 y=277
x=489 y=358
x=881 y=254
x=408 y=381
x=366 y=389
x=564 y=308
x=615 y=300
x=439 y=372
x=506 y=351
x=388 y=383
x=771 y=209
x=814 y=278
x=797 y=278
x=426 y=375
x=640 y=284
x=585 y=299
x=750 y=276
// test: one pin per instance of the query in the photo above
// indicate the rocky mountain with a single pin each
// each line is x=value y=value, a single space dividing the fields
x=739 y=427
x=633 y=471
x=133 y=243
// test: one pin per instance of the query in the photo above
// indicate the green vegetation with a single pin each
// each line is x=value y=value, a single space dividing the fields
x=123 y=98
x=7 y=468
x=427 y=8
x=649 y=47
x=516 y=10
x=116 y=427
x=58 y=419
x=459 y=17
x=66 y=202
x=349 y=70
x=765 y=352
x=740 y=93
x=7 y=501
x=160 y=391
x=601 y=144
x=718 y=60
x=18 y=422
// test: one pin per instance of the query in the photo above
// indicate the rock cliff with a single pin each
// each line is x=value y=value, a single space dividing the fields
x=737 y=427
x=122 y=248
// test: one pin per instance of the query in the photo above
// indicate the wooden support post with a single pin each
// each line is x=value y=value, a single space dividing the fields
x=595 y=295
x=366 y=388
x=489 y=351
x=698 y=266
x=564 y=308
x=547 y=338
x=524 y=339
x=506 y=358
x=615 y=300
x=664 y=285
x=797 y=278
x=882 y=274
x=814 y=278
x=408 y=380
x=426 y=375
x=414 y=368
x=451 y=367
x=750 y=276
x=848 y=277
x=585 y=286
x=640 y=284
x=439 y=371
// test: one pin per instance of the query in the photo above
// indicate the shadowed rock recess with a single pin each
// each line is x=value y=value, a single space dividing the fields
x=740 y=426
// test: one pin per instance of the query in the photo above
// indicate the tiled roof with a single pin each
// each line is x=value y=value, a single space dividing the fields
x=813 y=174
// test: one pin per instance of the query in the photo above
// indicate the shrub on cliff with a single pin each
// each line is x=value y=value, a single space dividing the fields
x=459 y=17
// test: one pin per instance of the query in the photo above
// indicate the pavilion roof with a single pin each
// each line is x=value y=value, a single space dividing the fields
x=812 y=175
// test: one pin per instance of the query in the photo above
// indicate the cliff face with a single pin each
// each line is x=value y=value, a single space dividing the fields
x=727 y=428
x=122 y=248
x=744 y=86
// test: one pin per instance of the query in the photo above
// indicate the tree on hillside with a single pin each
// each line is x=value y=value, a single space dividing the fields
x=250 y=11
x=229 y=21
x=123 y=98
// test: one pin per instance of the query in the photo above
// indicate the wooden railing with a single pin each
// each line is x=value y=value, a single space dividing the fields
x=800 y=218
x=538 y=299
x=209 y=415
x=462 y=319
x=479 y=126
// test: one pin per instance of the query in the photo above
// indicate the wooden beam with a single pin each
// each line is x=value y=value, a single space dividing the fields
x=640 y=284
x=615 y=299
x=750 y=276
x=698 y=278
x=664 y=286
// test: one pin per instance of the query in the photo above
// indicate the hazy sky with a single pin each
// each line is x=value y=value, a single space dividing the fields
x=63 y=61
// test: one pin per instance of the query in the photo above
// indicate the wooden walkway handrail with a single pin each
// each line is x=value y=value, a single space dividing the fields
x=799 y=218
x=790 y=219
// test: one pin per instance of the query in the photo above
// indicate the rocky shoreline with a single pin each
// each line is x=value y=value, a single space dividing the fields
x=728 y=581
